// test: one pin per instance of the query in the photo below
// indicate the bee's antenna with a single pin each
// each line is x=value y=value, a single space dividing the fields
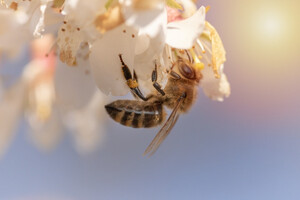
x=187 y=53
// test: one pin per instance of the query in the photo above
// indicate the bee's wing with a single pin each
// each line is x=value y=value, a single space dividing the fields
x=165 y=130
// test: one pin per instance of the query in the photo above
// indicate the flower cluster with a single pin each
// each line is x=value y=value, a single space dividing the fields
x=75 y=47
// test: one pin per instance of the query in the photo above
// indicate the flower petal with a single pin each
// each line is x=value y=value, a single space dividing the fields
x=189 y=7
x=182 y=34
x=105 y=62
x=39 y=27
x=215 y=88
x=69 y=40
x=74 y=86
x=148 y=20
x=11 y=105
x=144 y=63
x=83 y=12
x=87 y=125
x=14 y=32
x=110 y=19
x=46 y=20
x=142 y=43
x=45 y=133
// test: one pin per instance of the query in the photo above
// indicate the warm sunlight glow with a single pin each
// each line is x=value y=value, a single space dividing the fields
x=266 y=33
x=271 y=25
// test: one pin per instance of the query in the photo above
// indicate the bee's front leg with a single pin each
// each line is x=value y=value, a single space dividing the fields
x=174 y=74
x=156 y=85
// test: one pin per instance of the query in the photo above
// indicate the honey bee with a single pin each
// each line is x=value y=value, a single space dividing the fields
x=179 y=95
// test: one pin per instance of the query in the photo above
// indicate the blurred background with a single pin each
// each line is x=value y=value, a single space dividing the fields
x=246 y=148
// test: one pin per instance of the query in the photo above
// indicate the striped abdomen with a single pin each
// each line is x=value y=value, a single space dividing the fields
x=137 y=114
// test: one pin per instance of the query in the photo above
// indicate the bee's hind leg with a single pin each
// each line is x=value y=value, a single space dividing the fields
x=132 y=81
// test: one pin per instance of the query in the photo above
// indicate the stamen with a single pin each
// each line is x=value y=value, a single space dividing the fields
x=170 y=55
x=207 y=48
x=175 y=53
x=209 y=60
x=201 y=46
x=197 y=63
x=181 y=51
x=204 y=46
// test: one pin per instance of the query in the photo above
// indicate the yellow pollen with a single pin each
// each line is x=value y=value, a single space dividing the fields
x=58 y=3
x=132 y=83
x=13 y=6
x=43 y=98
x=218 y=51
x=207 y=8
x=112 y=18
x=43 y=112
x=217 y=75
x=197 y=63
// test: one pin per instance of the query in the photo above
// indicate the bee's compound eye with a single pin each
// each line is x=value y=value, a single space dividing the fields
x=187 y=71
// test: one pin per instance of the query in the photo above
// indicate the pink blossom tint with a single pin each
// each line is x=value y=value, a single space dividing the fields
x=173 y=14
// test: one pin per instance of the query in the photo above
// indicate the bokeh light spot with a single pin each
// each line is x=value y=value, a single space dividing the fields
x=271 y=25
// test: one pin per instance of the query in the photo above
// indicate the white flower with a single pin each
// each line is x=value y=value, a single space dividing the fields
x=11 y=105
x=13 y=31
x=144 y=15
x=189 y=29
x=204 y=46
x=21 y=21
x=104 y=59
x=48 y=101
x=90 y=36
x=87 y=124
x=210 y=47
x=83 y=13
x=141 y=27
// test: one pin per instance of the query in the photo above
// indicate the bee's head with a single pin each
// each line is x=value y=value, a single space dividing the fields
x=187 y=70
